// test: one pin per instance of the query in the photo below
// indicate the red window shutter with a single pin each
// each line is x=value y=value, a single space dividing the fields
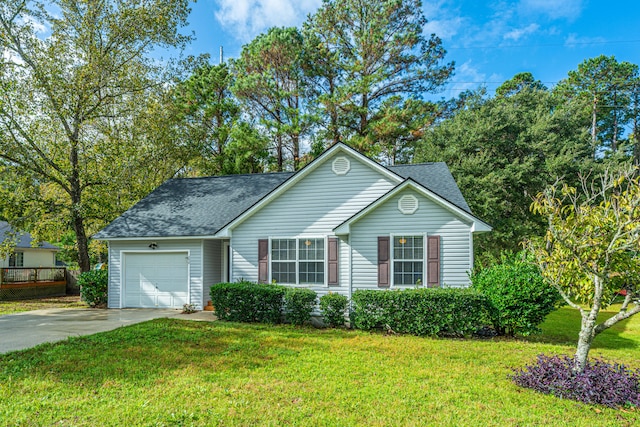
x=263 y=261
x=433 y=261
x=383 y=262
x=332 y=262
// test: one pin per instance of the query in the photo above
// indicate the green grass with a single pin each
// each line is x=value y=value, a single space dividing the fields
x=11 y=307
x=174 y=372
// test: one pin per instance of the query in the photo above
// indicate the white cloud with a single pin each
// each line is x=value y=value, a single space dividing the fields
x=573 y=40
x=444 y=28
x=518 y=33
x=467 y=78
x=555 y=9
x=444 y=20
x=247 y=18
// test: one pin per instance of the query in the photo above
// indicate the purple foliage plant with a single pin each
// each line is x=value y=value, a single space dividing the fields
x=602 y=383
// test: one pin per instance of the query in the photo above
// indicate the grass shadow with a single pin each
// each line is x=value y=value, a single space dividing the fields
x=563 y=326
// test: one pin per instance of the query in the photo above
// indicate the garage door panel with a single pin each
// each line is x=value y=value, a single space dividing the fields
x=156 y=279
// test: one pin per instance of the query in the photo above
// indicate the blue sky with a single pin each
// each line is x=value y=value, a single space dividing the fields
x=489 y=41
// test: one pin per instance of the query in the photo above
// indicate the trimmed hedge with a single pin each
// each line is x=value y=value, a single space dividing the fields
x=333 y=307
x=94 y=285
x=435 y=312
x=248 y=302
x=299 y=303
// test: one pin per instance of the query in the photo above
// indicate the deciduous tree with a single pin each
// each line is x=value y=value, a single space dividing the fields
x=74 y=77
x=591 y=248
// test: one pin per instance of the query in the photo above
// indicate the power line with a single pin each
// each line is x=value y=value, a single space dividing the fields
x=566 y=44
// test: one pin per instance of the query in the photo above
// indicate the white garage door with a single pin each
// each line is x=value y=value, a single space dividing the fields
x=156 y=280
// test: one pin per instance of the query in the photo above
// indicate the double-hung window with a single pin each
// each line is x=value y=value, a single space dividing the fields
x=408 y=260
x=298 y=261
x=16 y=259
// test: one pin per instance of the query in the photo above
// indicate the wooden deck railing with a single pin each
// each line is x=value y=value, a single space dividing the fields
x=32 y=276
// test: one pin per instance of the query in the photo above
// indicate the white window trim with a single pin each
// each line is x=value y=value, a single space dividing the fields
x=15 y=259
x=297 y=260
x=393 y=260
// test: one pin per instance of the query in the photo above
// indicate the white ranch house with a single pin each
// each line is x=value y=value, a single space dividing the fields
x=341 y=223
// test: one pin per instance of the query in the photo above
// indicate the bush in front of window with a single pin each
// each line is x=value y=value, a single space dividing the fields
x=248 y=302
x=446 y=312
x=519 y=297
x=333 y=307
x=299 y=303
x=93 y=287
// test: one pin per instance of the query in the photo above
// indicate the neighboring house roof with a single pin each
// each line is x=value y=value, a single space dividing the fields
x=192 y=206
x=24 y=239
x=204 y=206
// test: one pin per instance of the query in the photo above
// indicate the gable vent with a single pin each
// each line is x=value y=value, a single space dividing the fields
x=408 y=204
x=341 y=166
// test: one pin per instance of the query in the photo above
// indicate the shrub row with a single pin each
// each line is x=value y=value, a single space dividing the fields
x=266 y=303
x=248 y=302
x=434 y=312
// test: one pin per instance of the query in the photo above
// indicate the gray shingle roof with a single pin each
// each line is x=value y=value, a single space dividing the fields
x=24 y=238
x=192 y=206
x=437 y=178
x=202 y=206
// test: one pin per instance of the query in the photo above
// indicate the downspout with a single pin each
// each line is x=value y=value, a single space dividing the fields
x=350 y=285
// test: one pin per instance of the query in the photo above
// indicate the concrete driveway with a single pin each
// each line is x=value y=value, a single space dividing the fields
x=28 y=329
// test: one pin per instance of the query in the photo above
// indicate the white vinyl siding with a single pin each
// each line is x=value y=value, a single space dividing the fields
x=118 y=247
x=317 y=204
x=430 y=219
x=212 y=265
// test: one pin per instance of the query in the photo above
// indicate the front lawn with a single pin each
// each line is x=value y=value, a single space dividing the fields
x=176 y=372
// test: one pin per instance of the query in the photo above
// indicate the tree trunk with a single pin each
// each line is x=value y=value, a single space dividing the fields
x=588 y=328
x=587 y=334
x=81 y=236
x=279 y=153
x=296 y=151
x=77 y=219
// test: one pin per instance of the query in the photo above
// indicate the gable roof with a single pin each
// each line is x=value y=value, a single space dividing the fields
x=204 y=207
x=435 y=177
x=24 y=238
x=299 y=175
x=192 y=206
x=476 y=223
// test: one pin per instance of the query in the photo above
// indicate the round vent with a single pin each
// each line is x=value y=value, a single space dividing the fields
x=341 y=166
x=408 y=204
